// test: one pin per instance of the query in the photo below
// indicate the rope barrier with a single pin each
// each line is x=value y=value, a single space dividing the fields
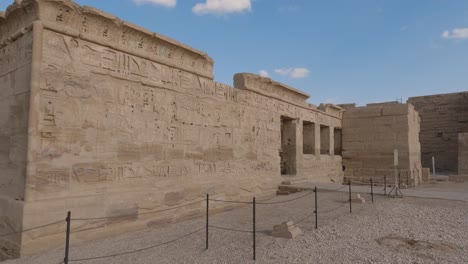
x=339 y=189
x=303 y=219
x=231 y=229
x=129 y=215
x=254 y=231
x=228 y=201
x=329 y=211
x=138 y=250
x=287 y=201
x=264 y=203
x=30 y=229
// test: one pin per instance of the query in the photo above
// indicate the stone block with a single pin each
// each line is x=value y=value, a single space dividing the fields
x=286 y=230
x=396 y=109
x=357 y=198
x=362 y=112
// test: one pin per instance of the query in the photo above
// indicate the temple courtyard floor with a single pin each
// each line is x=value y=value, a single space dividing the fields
x=412 y=229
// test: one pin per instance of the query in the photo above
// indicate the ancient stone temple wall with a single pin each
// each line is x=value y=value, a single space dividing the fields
x=463 y=154
x=123 y=121
x=443 y=117
x=15 y=79
x=370 y=135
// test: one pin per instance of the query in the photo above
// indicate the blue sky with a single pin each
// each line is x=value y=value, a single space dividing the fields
x=338 y=51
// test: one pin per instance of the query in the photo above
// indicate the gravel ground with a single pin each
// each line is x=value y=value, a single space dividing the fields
x=404 y=230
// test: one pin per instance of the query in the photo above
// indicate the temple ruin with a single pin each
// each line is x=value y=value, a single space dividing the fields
x=103 y=118
x=444 y=118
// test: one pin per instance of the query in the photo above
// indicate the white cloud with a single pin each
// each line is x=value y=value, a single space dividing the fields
x=219 y=7
x=295 y=73
x=167 y=3
x=263 y=73
x=456 y=33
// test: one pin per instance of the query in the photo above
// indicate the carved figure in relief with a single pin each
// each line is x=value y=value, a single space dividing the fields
x=49 y=114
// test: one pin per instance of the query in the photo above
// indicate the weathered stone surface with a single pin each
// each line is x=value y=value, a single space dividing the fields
x=370 y=135
x=268 y=87
x=286 y=230
x=443 y=117
x=357 y=198
x=463 y=154
x=103 y=118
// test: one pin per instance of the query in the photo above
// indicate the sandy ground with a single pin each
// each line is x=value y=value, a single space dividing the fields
x=402 y=230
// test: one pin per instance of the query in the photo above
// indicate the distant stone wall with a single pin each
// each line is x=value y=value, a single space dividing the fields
x=370 y=135
x=463 y=154
x=443 y=117
x=125 y=121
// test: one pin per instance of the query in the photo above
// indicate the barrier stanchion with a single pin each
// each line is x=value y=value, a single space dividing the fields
x=350 y=205
x=207 y=214
x=385 y=185
x=372 y=190
x=67 y=239
x=254 y=231
x=316 y=209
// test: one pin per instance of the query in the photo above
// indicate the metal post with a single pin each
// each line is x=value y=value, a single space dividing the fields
x=254 y=232
x=372 y=190
x=316 y=209
x=207 y=214
x=67 y=240
x=350 y=206
x=433 y=166
x=385 y=185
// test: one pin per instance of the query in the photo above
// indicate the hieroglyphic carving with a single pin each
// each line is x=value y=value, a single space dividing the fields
x=16 y=54
x=95 y=25
x=97 y=172
x=164 y=169
x=53 y=178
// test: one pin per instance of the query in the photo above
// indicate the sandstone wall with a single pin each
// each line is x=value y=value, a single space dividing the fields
x=413 y=144
x=370 y=135
x=463 y=154
x=15 y=72
x=443 y=116
x=125 y=121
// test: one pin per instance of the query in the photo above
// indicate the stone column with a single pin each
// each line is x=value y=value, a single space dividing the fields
x=332 y=141
x=299 y=139
x=317 y=141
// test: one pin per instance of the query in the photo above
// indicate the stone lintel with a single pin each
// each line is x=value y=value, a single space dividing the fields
x=331 y=109
x=268 y=87
x=108 y=30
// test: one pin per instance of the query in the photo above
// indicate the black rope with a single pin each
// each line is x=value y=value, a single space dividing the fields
x=228 y=201
x=303 y=219
x=231 y=229
x=129 y=215
x=138 y=250
x=287 y=201
x=237 y=230
x=339 y=189
x=331 y=210
x=30 y=229
x=264 y=203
